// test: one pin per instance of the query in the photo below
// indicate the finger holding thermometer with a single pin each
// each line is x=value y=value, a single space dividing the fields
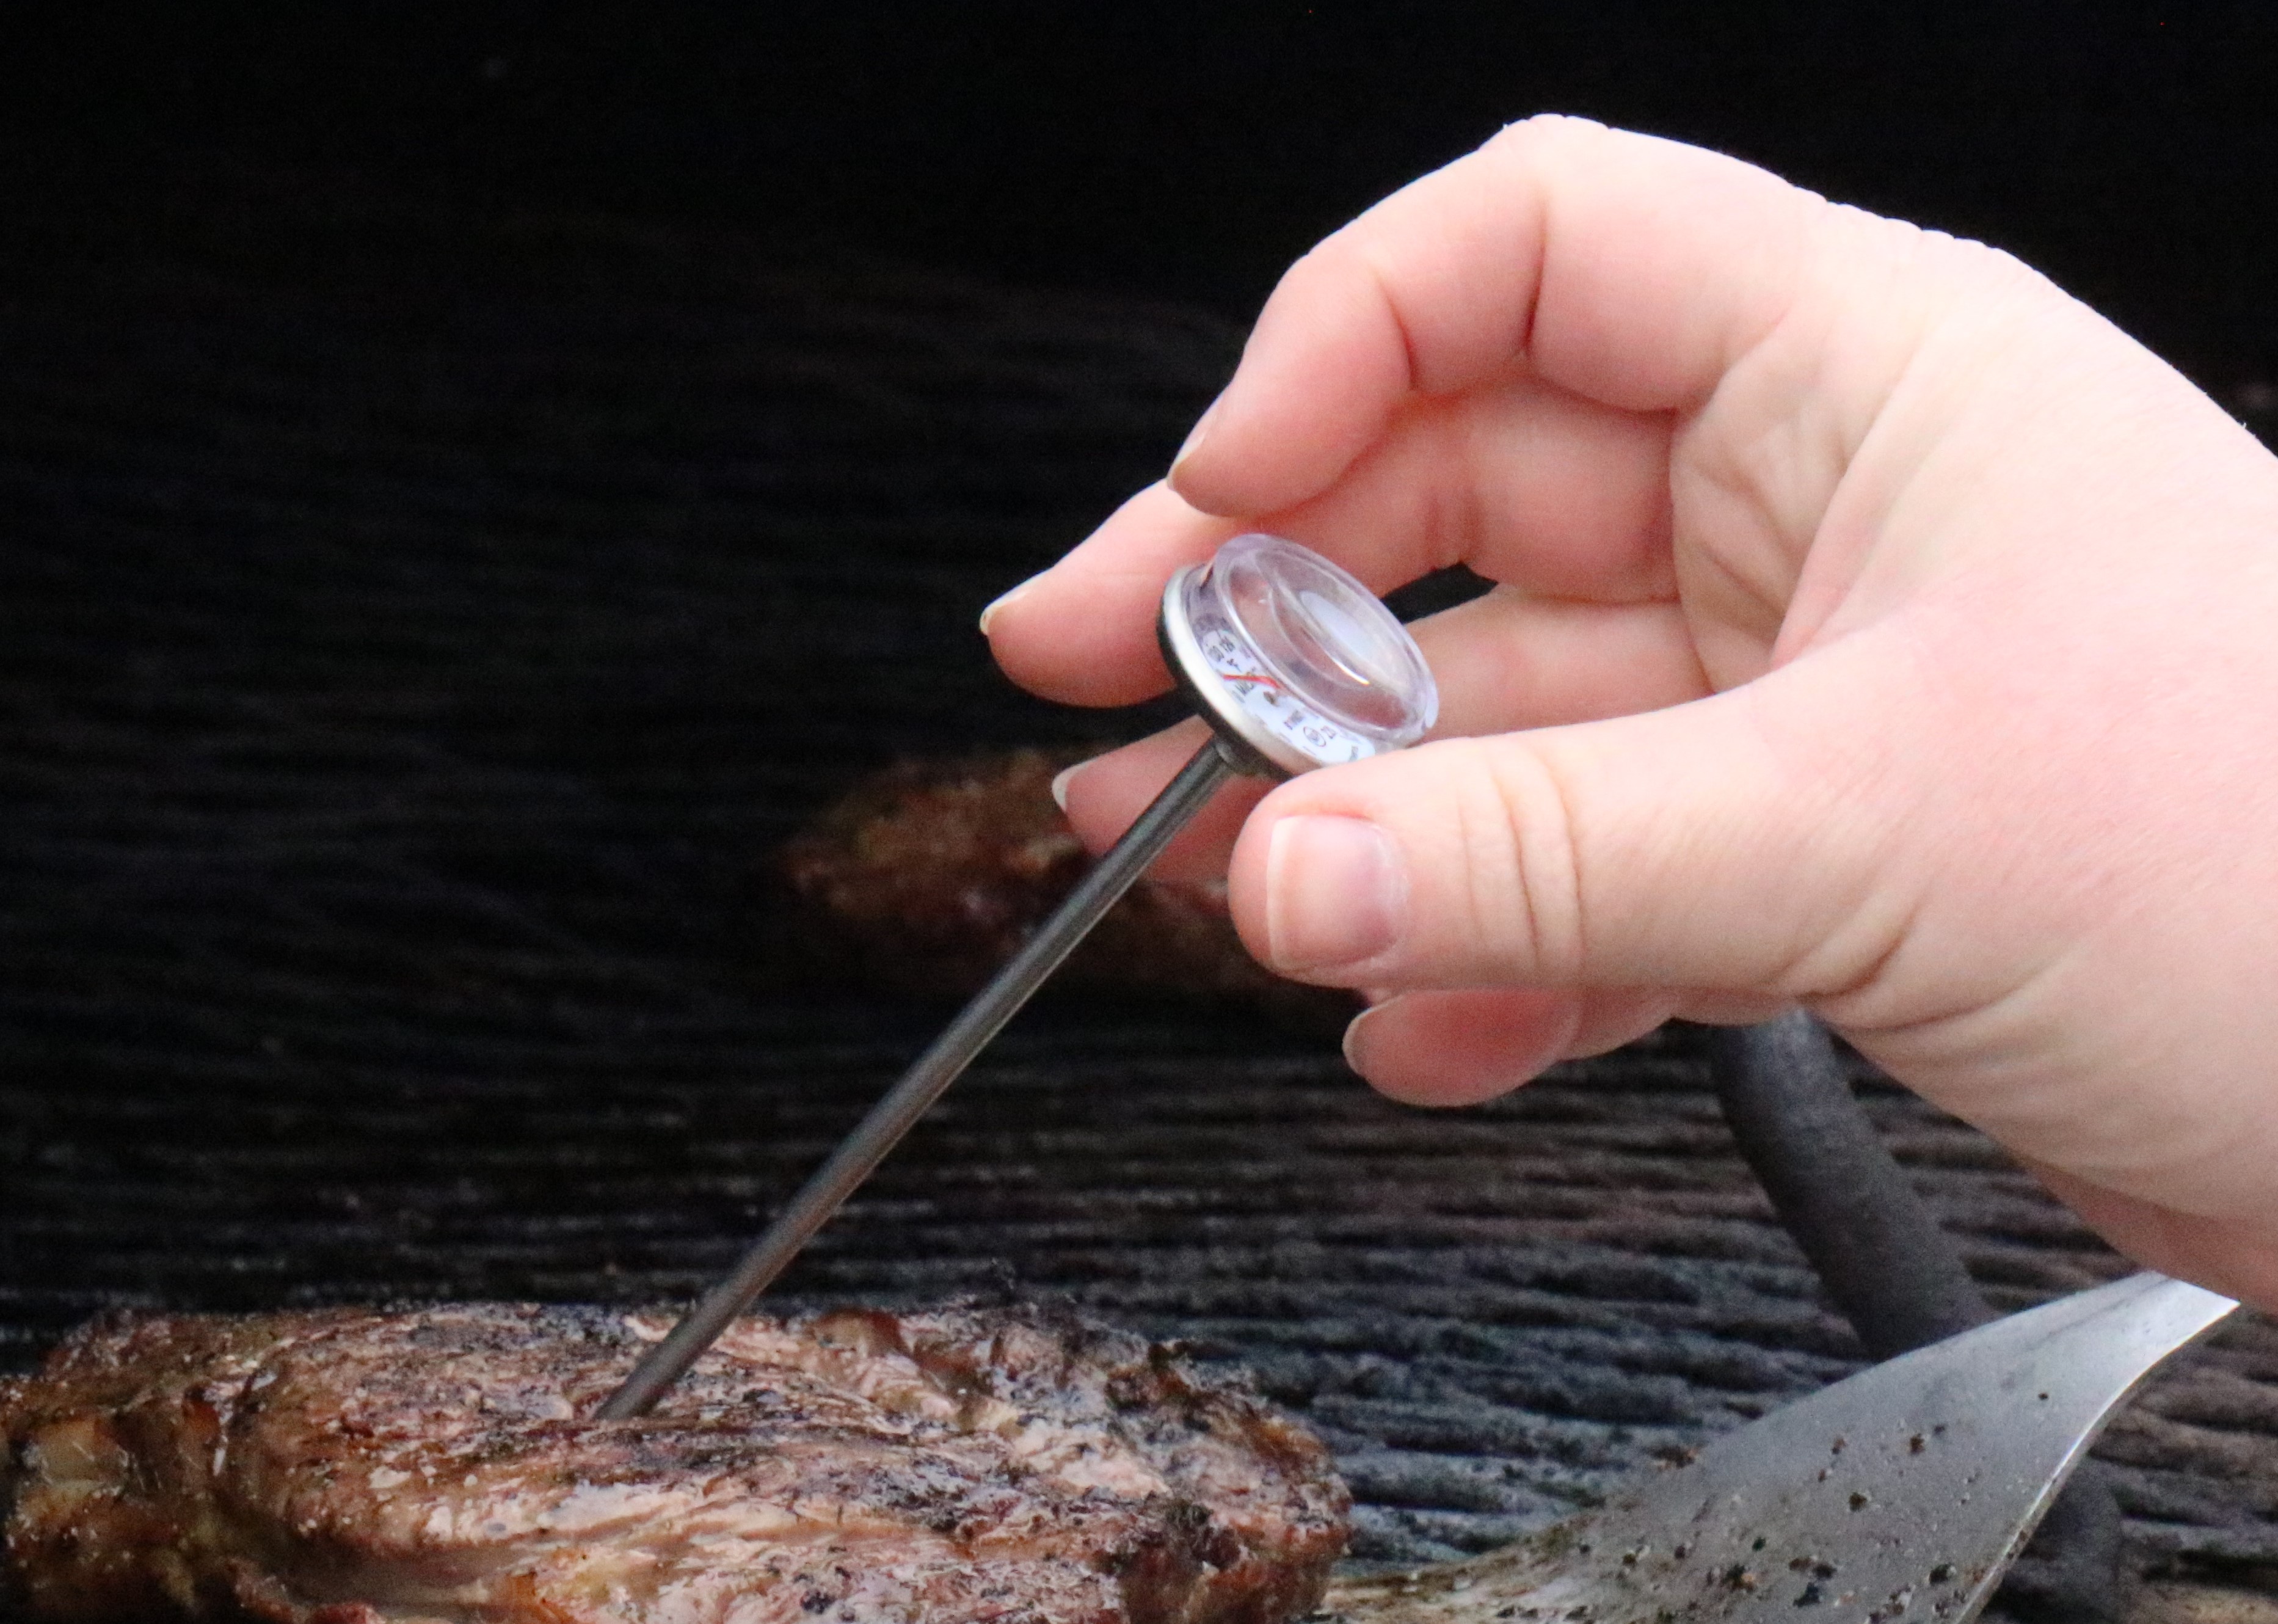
x=1295 y=665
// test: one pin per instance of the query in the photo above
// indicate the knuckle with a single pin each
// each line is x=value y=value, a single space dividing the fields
x=1538 y=129
x=1521 y=880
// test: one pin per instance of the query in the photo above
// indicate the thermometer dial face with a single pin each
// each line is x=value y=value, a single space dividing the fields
x=1273 y=710
x=1294 y=663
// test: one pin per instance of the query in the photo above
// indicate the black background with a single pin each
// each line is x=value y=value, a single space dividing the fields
x=1191 y=150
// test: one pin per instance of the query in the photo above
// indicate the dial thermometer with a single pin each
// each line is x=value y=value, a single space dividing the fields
x=1295 y=665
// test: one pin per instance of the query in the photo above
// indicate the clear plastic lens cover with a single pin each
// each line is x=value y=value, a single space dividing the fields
x=1312 y=664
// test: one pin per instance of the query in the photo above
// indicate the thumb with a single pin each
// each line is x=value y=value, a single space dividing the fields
x=1735 y=844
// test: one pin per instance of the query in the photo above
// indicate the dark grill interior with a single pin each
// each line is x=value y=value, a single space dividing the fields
x=415 y=629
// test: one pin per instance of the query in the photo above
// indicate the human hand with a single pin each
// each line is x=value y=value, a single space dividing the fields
x=1877 y=629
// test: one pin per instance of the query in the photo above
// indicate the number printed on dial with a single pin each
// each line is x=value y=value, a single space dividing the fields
x=1264 y=698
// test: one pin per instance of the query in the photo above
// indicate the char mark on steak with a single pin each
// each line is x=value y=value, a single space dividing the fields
x=351 y=1466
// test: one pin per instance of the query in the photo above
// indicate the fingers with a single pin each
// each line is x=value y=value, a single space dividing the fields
x=1456 y=1048
x=1503 y=662
x=1508 y=661
x=1630 y=270
x=1459 y=1047
x=1715 y=846
x=1528 y=483
x=1107 y=592
x=1503 y=341
x=1102 y=797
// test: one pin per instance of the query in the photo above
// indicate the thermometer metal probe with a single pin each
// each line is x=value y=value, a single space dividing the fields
x=1295 y=665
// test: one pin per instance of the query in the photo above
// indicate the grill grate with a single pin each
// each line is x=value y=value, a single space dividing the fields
x=411 y=633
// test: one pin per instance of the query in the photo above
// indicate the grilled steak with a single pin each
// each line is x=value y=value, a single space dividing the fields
x=932 y=874
x=350 y=1467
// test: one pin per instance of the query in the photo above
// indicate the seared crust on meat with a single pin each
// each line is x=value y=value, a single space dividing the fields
x=350 y=1467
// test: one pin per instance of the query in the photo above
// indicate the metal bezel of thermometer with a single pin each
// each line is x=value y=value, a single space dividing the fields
x=1295 y=665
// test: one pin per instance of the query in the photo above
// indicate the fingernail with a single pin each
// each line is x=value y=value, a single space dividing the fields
x=1195 y=436
x=1061 y=784
x=1336 y=890
x=989 y=614
x=1356 y=1041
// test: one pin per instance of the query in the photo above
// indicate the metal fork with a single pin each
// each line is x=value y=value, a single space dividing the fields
x=1901 y=1494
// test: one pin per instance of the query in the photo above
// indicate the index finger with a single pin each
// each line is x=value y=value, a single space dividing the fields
x=1631 y=270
